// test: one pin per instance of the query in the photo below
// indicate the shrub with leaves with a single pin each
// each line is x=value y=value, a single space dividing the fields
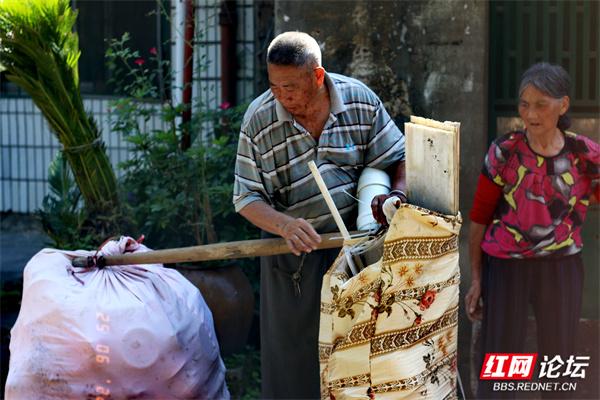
x=243 y=374
x=62 y=214
x=179 y=197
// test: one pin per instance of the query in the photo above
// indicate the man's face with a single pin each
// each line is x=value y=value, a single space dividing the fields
x=294 y=87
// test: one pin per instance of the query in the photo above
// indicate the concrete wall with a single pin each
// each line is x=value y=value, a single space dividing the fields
x=424 y=57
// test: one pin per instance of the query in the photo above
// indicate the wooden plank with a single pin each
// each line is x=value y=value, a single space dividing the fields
x=432 y=164
x=432 y=123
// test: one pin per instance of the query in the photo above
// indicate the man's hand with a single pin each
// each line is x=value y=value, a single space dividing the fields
x=473 y=303
x=377 y=209
x=377 y=206
x=397 y=175
x=300 y=236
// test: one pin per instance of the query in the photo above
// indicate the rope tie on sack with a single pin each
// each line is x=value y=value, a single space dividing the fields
x=83 y=147
x=95 y=261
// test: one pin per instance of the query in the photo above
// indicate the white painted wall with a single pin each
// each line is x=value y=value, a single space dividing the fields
x=27 y=146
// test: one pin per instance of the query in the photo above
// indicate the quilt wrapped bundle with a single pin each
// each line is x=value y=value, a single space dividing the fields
x=388 y=330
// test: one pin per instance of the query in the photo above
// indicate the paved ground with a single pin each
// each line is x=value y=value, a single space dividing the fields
x=21 y=237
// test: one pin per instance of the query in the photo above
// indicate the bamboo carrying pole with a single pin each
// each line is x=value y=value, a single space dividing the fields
x=218 y=251
x=225 y=251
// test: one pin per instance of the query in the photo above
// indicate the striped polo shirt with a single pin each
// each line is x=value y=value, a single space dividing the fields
x=274 y=151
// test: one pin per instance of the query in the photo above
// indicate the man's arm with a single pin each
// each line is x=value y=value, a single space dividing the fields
x=299 y=235
x=385 y=150
x=397 y=175
x=249 y=193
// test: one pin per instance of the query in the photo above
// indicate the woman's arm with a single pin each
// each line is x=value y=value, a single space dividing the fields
x=487 y=196
x=472 y=299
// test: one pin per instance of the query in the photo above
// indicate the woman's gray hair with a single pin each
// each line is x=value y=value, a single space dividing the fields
x=553 y=81
x=294 y=48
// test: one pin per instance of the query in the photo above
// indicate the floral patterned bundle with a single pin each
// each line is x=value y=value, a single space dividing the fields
x=390 y=331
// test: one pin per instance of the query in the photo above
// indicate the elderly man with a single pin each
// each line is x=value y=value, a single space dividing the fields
x=307 y=114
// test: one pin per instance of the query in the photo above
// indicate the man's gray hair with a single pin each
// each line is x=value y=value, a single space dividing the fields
x=294 y=48
x=552 y=80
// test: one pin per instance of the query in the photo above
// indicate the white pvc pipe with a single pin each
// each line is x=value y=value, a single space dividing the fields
x=372 y=182
x=325 y=192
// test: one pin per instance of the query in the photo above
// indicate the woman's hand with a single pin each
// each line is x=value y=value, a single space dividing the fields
x=595 y=196
x=300 y=236
x=474 y=302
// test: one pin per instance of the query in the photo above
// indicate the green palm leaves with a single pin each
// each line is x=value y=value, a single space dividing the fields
x=40 y=51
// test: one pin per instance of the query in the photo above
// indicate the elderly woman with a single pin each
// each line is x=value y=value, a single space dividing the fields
x=525 y=237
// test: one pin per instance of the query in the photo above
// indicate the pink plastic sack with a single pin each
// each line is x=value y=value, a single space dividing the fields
x=135 y=331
